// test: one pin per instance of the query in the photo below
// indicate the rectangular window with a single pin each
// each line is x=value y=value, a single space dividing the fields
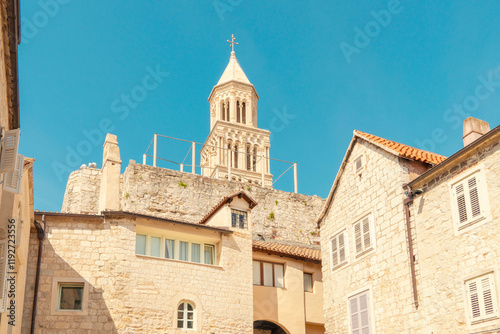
x=469 y=200
x=155 y=246
x=169 y=249
x=481 y=298
x=140 y=244
x=209 y=254
x=359 y=313
x=268 y=274
x=183 y=251
x=363 y=235
x=195 y=253
x=238 y=219
x=308 y=282
x=358 y=164
x=339 y=249
x=70 y=297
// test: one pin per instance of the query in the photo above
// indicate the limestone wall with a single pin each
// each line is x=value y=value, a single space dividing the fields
x=129 y=293
x=385 y=271
x=444 y=259
x=158 y=192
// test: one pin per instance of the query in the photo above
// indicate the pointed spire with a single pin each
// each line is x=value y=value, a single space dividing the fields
x=233 y=72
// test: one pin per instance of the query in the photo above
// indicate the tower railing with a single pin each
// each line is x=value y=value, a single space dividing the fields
x=219 y=168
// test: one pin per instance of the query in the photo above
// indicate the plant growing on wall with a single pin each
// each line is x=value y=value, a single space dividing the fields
x=182 y=184
x=276 y=202
x=271 y=216
x=127 y=195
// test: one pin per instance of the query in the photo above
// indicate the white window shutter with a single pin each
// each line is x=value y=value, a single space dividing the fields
x=461 y=202
x=366 y=234
x=12 y=180
x=335 y=251
x=474 y=197
x=10 y=145
x=358 y=237
x=482 y=298
x=3 y=276
x=342 y=257
x=360 y=313
x=355 y=323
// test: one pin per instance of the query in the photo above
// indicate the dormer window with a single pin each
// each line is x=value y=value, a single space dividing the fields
x=238 y=219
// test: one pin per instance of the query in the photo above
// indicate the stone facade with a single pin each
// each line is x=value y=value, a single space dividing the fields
x=157 y=191
x=129 y=293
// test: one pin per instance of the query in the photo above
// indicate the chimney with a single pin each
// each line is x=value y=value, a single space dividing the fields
x=109 y=196
x=473 y=129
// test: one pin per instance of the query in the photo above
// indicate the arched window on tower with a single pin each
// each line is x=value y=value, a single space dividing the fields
x=229 y=155
x=227 y=111
x=235 y=156
x=238 y=112
x=243 y=113
x=223 y=111
x=254 y=167
x=249 y=158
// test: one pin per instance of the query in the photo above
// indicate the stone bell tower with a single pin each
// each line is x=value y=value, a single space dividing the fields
x=236 y=149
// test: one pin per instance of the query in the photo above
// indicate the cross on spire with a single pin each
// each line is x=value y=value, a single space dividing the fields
x=232 y=42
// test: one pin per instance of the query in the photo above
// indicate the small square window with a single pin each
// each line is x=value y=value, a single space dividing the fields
x=358 y=164
x=70 y=297
x=238 y=219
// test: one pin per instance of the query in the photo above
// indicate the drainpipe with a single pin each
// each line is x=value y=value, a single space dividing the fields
x=406 y=204
x=41 y=236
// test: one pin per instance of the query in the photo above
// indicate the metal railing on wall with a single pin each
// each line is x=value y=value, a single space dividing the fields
x=214 y=171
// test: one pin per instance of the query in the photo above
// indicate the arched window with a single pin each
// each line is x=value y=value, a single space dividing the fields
x=185 y=315
x=243 y=113
x=223 y=111
x=229 y=155
x=249 y=158
x=254 y=158
x=235 y=156
x=227 y=111
x=238 y=112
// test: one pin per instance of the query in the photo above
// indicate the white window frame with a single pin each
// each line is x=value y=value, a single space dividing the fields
x=482 y=190
x=371 y=232
x=177 y=242
x=346 y=248
x=184 y=317
x=357 y=170
x=478 y=281
x=371 y=319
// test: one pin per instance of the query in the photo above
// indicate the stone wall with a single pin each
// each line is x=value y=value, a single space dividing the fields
x=385 y=271
x=160 y=192
x=129 y=293
x=446 y=259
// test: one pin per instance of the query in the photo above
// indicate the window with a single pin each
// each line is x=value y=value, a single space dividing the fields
x=359 y=313
x=70 y=297
x=268 y=274
x=243 y=113
x=470 y=200
x=185 y=316
x=236 y=156
x=363 y=235
x=238 y=111
x=481 y=298
x=338 y=249
x=249 y=158
x=238 y=219
x=308 y=282
x=209 y=254
x=358 y=164
x=254 y=167
x=158 y=246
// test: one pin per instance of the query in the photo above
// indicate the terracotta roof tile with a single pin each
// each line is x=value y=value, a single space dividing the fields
x=288 y=250
x=404 y=150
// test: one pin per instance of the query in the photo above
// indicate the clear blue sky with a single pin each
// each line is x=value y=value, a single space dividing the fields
x=401 y=81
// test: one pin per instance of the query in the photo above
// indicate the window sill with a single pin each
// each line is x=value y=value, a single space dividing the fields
x=364 y=253
x=482 y=321
x=273 y=287
x=178 y=261
x=467 y=226
x=343 y=264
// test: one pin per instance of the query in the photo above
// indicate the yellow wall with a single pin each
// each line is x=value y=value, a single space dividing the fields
x=291 y=307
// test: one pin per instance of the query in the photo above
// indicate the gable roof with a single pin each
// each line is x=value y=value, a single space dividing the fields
x=233 y=72
x=228 y=199
x=296 y=252
x=395 y=148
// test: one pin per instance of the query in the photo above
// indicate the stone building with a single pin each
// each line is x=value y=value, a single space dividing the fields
x=152 y=250
x=16 y=175
x=408 y=238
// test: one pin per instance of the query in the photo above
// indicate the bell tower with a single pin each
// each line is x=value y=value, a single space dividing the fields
x=236 y=149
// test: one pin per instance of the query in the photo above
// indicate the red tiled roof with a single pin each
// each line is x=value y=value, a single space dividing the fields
x=287 y=250
x=405 y=151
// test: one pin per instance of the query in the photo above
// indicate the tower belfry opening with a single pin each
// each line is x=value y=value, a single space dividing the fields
x=236 y=149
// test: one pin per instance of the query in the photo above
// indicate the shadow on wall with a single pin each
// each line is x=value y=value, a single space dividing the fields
x=55 y=273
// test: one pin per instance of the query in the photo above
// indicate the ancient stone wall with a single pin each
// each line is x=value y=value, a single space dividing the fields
x=187 y=197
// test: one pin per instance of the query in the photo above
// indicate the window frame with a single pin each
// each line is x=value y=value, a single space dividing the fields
x=371 y=226
x=312 y=281
x=60 y=287
x=362 y=167
x=346 y=248
x=238 y=223
x=274 y=275
x=184 y=317
x=483 y=318
x=482 y=192
x=177 y=247
x=370 y=308
x=57 y=284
